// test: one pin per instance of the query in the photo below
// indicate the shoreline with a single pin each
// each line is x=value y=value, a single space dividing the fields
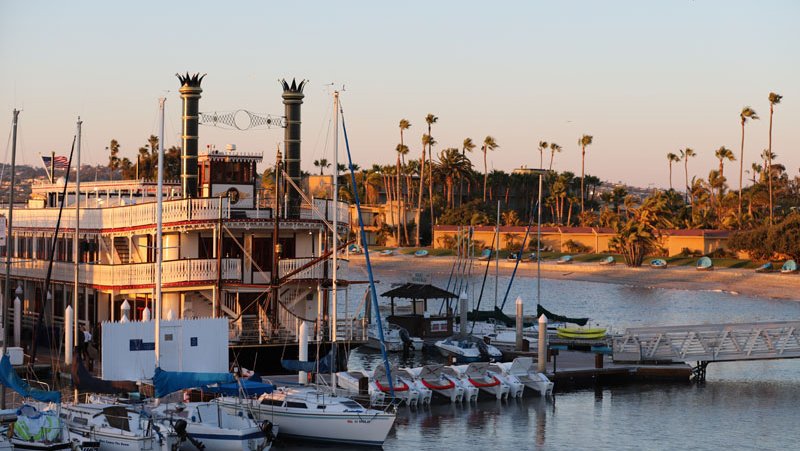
x=766 y=286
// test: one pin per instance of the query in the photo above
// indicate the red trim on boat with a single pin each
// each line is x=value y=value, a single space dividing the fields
x=494 y=383
x=403 y=387
x=448 y=386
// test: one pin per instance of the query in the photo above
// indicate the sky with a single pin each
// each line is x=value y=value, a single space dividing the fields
x=643 y=77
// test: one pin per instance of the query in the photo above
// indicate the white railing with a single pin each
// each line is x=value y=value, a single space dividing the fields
x=124 y=216
x=306 y=212
x=137 y=274
x=293 y=264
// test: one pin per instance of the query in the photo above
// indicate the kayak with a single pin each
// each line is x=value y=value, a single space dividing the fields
x=592 y=333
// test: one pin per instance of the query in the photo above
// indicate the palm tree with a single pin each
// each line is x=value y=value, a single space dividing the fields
x=542 y=146
x=452 y=165
x=489 y=143
x=321 y=164
x=586 y=140
x=553 y=149
x=466 y=146
x=774 y=99
x=747 y=113
x=402 y=150
x=425 y=139
x=672 y=158
x=722 y=154
x=430 y=119
x=686 y=154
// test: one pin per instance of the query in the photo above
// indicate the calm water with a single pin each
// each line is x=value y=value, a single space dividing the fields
x=753 y=405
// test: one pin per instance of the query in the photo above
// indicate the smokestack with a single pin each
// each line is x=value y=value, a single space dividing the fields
x=292 y=100
x=190 y=94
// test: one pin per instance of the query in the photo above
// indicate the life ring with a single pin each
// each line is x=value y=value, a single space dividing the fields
x=403 y=387
x=448 y=386
x=494 y=383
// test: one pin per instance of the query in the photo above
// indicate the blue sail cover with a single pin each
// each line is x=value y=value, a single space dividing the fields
x=167 y=382
x=326 y=365
x=11 y=379
x=249 y=388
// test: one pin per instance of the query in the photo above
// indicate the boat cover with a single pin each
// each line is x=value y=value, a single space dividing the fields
x=562 y=319
x=251 y=387
x=325 y=365
x=87 y=383
x=10 y=378
x=167 y=382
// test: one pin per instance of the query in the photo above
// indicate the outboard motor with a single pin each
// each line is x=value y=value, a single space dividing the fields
x=407 y=343
x=266 y=428
x=180 y=429
x=484 y=350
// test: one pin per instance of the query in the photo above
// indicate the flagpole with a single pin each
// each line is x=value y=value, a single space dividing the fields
x=52 y=167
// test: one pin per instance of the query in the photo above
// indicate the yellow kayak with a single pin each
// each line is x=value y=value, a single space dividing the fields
x=582 y=333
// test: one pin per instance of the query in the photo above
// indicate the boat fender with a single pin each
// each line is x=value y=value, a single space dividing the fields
x=266 y=428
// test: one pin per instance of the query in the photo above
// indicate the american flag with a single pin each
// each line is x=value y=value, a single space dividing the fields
x=60 y=162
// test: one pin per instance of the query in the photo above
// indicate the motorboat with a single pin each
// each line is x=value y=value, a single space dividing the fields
x=207 y=424
x=357 y=381
x=564 y=260
x=522 y=368
x=478 y=374
x=658 y=263
x=395 y=338
x=43 y=429
x=789 y=267
x=515 y=387
x=354 y=249
x=468 y=349
x=486 y=254
x=608 y=261
x=386 y=253
x=766 y=267
x=471 y=392
x=421 y=253
x=404 y=390
x=433 y=378
x=119 y=427
x=316 y=414
x=704 y=264
x=408 y=376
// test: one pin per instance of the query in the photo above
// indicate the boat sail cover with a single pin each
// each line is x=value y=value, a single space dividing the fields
x=9 y=378
x=250 y=387
x=85 y=382
x=562 y=319
x=167 y=382
x=326 y=365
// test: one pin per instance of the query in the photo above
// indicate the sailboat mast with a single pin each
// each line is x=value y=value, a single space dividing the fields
x=159 y=243
x=539 y=246
x=497 y=254
x=10 y=218
x=334 y=298
x=76 y=241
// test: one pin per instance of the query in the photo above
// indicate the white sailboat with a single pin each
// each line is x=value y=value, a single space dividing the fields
x=118 y=427
x=394 y=338
x=308 y=413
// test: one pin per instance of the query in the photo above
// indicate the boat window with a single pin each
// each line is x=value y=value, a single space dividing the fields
x=272 y=402
x=352 y=404
x=297 y=405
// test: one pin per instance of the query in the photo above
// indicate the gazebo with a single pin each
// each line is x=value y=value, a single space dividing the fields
x=420 y=323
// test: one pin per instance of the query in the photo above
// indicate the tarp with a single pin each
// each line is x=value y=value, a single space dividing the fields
x=11 y=379
x=250 y=387
x=496 y=314
x=562 y=319
x=85 y=382
x=325 y=365
x=167 y=382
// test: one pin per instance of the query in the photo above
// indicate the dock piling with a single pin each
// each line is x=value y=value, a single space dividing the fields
x=519 y=324
x=542 y=355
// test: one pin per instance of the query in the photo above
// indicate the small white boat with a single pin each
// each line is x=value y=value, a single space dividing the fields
x=352 y=381
x=471 y=392
x=523 y=369
x=515 y=386
x=215 y=428
x=658 y=263
x=310 y=413
x=394 y=338
x=386 y=253
x=119 y=427
x=43 y=429
x=404 y=391
x=433 y=378
x=608 y=261
x=421 y=253
x=564 y=260
x=478 y=374
x=467 y=350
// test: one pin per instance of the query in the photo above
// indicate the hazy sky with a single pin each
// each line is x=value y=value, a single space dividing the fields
x=644 y=77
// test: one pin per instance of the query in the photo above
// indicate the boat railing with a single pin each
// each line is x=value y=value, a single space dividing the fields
x=312 y=271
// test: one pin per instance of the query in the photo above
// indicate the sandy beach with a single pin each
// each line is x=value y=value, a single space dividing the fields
x=736 y=281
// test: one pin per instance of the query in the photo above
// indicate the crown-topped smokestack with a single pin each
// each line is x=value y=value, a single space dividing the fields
x=190 y=94
x=292 y=100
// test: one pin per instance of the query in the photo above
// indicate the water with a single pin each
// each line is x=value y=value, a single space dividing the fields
x=743 y=405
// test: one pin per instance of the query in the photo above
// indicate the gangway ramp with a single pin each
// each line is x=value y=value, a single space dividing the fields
x=709 y=343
